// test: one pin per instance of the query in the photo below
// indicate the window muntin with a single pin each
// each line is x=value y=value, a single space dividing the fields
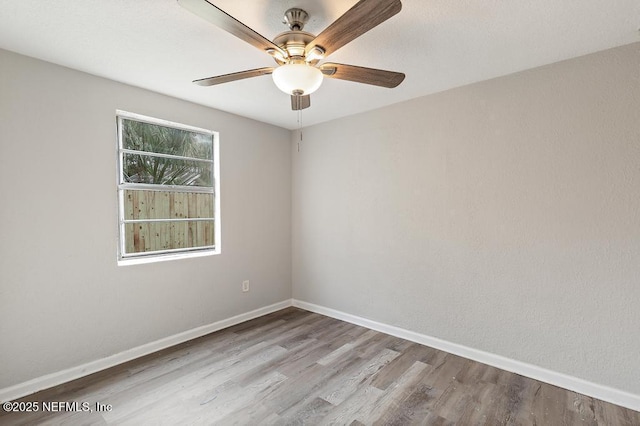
x=167 y=181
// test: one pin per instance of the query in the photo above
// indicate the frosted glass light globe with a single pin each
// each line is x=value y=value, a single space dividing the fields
x=291 y=78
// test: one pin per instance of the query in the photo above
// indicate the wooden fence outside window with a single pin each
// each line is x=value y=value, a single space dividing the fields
x=173 y=231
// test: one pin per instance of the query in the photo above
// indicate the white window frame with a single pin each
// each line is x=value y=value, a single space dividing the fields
x=168 y=254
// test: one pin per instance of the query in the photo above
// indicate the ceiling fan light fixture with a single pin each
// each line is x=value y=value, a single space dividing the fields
x=295 y=78
x=316 y=54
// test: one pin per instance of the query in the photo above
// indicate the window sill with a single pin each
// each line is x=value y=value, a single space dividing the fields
x=165 y=257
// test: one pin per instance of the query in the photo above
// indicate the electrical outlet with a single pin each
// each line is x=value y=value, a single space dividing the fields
x=245 y=286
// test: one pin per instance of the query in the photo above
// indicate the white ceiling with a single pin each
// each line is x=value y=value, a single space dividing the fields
x=438 y=44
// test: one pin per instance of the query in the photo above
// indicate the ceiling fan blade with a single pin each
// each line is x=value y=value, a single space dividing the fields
x=364 y=75
x=362 y=17
x=226 y=78
x=223 y=20
x=300 y=102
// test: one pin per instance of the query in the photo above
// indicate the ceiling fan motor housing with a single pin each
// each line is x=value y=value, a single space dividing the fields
x=294 y=43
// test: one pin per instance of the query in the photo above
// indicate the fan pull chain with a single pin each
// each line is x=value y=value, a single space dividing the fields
x=299 y=127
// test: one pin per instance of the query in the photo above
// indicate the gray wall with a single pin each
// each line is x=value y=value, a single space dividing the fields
x=504 y=216
x=63 y=299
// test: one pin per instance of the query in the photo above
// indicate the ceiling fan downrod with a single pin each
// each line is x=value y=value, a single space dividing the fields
x=295 y=18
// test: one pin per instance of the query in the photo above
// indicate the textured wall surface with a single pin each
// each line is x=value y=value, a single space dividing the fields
x=63 y=300
x=504 y=216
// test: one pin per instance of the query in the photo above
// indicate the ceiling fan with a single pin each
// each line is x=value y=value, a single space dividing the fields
x=298 y=52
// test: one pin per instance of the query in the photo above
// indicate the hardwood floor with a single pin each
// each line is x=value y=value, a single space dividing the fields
x=296 y=367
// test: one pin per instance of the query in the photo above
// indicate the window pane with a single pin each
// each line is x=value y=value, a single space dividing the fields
x=141 y=168
x=166 y=205
x=155 y=236
x=141 y=136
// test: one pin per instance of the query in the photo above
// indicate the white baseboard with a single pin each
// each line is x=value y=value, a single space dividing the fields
x=575 y=384
x=29 y=387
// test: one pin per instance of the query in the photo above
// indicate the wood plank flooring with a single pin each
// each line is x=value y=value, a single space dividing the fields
x=294 y=367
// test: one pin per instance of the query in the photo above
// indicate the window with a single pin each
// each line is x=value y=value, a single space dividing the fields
x=168 y=190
